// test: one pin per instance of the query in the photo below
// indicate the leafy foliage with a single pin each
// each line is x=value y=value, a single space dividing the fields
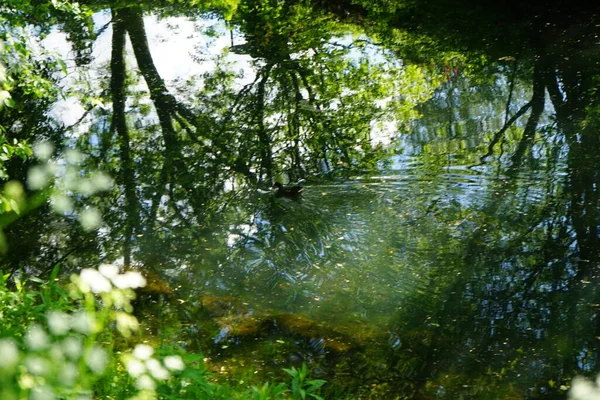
x=302 y=387
x=59 y=341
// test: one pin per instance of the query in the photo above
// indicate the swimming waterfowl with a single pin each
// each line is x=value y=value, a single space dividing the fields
x=292 y=192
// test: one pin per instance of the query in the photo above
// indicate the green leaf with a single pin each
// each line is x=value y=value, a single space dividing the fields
x=14 y=206
x=9 y=102
x=54 y=273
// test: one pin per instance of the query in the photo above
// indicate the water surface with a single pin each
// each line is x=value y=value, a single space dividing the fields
x=446 y=244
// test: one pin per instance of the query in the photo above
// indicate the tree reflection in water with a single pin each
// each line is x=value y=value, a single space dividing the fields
x=458 y=259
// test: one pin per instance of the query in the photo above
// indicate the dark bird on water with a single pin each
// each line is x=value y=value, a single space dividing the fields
x=292 y=192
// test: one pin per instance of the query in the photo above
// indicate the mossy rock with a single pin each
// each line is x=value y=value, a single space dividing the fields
x=244 y=326
x=220 y=306
x=310 y=329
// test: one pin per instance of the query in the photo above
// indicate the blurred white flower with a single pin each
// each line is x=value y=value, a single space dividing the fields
x=130 y=279
x=27 y=381
x=43 y=150
x=85 y=187
x=4 y=94
x=101 y=181
x=42 y=393
x=37 y=365
x=58 y=322
x=73 y=156
x=157 y=370
x=143 y=351
x=144 y=382
x=122 y=299
x=10 y=354
x=126 y=323
x=82 y=322
x=14 y=189
x=90 y=219
x=96 y=359
x=36 y=338
x=72 y=347
x=174 y=363
x=61 y=204
x=109 y=270
x=582 y=389
x=68 y=374
x=38 y=177
x=135 y=367
x=70 y=179
x=95 y=280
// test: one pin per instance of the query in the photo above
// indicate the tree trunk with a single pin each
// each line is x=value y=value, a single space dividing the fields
x=119 y=124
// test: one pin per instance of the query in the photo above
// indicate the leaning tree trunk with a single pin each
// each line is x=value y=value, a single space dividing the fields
x=167 y=110
x=119 y=124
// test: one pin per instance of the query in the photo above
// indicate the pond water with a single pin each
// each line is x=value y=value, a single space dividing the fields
x=446 y=242
x=372 y=278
